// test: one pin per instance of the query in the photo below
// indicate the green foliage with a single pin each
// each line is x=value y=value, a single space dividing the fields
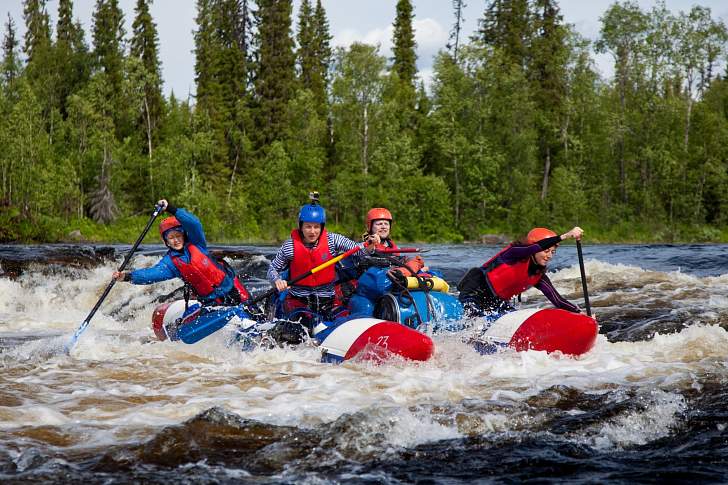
x=275 y=77
x=405 y=58
x=516 y=130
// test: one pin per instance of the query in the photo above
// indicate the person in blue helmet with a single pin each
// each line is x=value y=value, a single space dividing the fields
x=213 y=281
x=313 y=298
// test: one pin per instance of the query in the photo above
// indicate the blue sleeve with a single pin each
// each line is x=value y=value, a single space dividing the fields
x=163 y=270
x=193 y=228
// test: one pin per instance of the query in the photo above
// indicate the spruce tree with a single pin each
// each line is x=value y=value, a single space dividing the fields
x=232 y=29
x=506 y=26
x=276 y=73
x=42 y=67
x=306 y=54
x=233 y=40
x=37 y=24
x=144 y=46
x=454 y=43
x=108 y=36
x=405 y=58
x=11 y=62
x=70 y=55
x=205 y=76
x=314 y=53
x=212 y=118
x=323 y=55
x=549 y=55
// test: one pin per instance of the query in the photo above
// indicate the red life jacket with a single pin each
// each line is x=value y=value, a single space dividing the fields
x=509 y=280
x=305 y=259
x=388 y=244
x=202 y=273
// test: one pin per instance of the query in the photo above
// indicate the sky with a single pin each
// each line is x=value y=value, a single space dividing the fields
x=367 y=21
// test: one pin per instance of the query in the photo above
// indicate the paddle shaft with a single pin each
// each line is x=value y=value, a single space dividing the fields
x=87 y=321
x=400 y=250
x=583 y=277
x=308 y=273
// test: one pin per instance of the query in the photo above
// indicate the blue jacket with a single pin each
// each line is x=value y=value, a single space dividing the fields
x=165 y=268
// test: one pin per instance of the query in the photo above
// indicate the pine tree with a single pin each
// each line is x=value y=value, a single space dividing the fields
x=454 y=44
x=42 y=67
x=11 y=62
x=506 y=25
x=65 y=28
x=232 y=30
x=548 y=73
x=222 y=55
x=108 y=35
x=306 y=54
x=144 y=46
x=207 y=90
x=405 y=58
x=38 y=32
x=276 y=74
x=211 y=117
x=322 y=50
x=314 y=53
x=71 y=57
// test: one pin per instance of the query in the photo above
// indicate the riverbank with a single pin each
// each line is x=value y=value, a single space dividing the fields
x=127 y=229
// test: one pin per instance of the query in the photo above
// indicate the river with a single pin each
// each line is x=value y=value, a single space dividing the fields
x=647 y=404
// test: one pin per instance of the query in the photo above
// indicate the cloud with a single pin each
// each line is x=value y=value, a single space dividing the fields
x=430 y=37
x=425 y=75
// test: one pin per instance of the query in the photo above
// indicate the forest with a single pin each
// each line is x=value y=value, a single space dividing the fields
x=517 y=127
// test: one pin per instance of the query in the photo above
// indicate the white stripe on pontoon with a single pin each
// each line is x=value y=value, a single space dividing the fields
x=504 y=328
x=343 y=337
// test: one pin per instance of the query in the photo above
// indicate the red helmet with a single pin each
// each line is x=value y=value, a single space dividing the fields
x=167 y=224
x=538 y=233
x=376 y=214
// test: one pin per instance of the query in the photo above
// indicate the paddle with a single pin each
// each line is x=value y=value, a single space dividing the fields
x=401 y=250
x=74 y=339
x=308 y=273
x=583 y=277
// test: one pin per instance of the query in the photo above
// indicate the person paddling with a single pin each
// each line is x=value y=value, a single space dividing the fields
x=488 y=289
x=213 y=281
x=312 y=298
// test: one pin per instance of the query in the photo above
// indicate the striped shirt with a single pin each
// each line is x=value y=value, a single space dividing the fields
x=337 y=244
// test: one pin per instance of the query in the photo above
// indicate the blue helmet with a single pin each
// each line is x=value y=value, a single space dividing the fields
x=312 y=213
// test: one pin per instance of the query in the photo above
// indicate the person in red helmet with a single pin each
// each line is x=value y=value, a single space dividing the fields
x=379 y=222
x=214 y=282
x=489 y=288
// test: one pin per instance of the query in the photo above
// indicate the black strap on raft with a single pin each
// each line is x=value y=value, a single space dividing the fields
x=187 y=291
x=399 y=280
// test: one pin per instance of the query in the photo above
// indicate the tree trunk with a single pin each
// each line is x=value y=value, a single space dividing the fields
x=546 y=170
x=149 y=142
x=456 y=173
x=365 y=142
x=232 y=176
x=687 y=121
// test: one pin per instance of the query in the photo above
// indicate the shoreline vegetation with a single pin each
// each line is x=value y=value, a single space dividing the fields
x=125 y=230
x=515 y=128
